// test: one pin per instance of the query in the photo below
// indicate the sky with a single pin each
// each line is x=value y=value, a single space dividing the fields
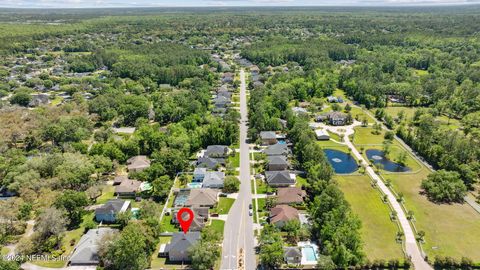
x=211 y=3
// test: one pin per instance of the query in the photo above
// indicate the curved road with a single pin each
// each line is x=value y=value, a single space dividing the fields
x=238 y=231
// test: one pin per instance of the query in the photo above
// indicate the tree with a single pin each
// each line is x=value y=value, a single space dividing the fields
x=204 y=254
x=161 y=187
x=231 y=184
x=271 y=247
x=49 y=229
x=292 y=228
x=128 y=251
x=73 y=203
x=444 y=186
x=75 y=171
x=21 y=98
x=9 y=265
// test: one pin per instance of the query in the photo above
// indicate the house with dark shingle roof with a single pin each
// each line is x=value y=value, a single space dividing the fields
x=138 y=163
x=268 y=137
x=177 y=249
x=290 y=195
x=277 y=150
x=128 y=188
x=279 y=178
x=202 y=197
x=210 y=163
x=200 y=218
x=108 y=212
x=85 y=252
x=277 y=163
x=217 y=151
x=281 y=214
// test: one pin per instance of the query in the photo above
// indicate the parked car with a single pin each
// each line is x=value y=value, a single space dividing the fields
x=250 y=212
x=250 y=206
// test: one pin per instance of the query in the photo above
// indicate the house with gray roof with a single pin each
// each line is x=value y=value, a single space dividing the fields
x=199 y=174
x=279 y=178
x=177 y=249
x=108 y=212
x=200 y=218
x=277 y=163
x=86 y=250
x=138 y=163
x=210 y=163
x=268 y=137
x=277 y=150
x=217 y=151
x=202 y=197
x=213 y=180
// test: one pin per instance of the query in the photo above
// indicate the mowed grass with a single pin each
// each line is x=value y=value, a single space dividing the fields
x=224 y=205
x=378 y=231
x=364 y=135
x=394 y=110
x=451 y=229
x=218 y=225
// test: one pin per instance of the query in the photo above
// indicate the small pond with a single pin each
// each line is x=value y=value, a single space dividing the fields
x=379 y=157
x=341 y=161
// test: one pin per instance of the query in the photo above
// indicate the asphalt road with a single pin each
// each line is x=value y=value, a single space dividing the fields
x=238 y=232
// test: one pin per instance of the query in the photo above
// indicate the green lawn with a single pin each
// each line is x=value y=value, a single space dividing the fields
x=4 y=251
x=235 y=160
x=218 y=225
x=262 y=212
x=262 y=187
x=364 y=135
x=378 y=231
x=451 y=229
x=107 y=194
x=393 y=111
x=358 y=113
x=224 y=205
x=167 y=226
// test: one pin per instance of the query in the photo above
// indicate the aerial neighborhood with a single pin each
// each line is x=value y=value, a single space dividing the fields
x=239 y=137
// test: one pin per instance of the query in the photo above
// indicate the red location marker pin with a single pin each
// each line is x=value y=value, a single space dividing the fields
x=185 y=223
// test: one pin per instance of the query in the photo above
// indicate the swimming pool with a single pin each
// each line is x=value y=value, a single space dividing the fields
x=194 y=185
x=281 y=142
x=309 y=255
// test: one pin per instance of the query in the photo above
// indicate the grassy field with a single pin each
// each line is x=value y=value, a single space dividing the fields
x=451 y=229
x=218 y=225
x=364 y=135
x=4 y=251
x=107 y=194
x=235 y=160
x=378 y=231
x=262 y=187
x=223 y=206
x=393 y=111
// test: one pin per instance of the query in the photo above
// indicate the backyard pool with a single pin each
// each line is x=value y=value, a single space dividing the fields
x=281 y=142
x=194 y=185
x=341 y=161
x=378 y=157
x=309 y=253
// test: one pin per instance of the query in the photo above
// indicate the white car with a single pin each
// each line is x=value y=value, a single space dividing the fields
x=250 y=212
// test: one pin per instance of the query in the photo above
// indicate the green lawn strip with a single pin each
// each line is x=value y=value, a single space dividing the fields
x=254 y=205
x=450 y=229
x=69 y=241
x=333 y=145
x=358 y=114
x=235 y=160
x=378 y=231
x=262 y=211
x=107 y=194
x=262 y=187
x=218 y=225
x=223 y=206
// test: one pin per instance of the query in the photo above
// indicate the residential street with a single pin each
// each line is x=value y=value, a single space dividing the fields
x=238 y=232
